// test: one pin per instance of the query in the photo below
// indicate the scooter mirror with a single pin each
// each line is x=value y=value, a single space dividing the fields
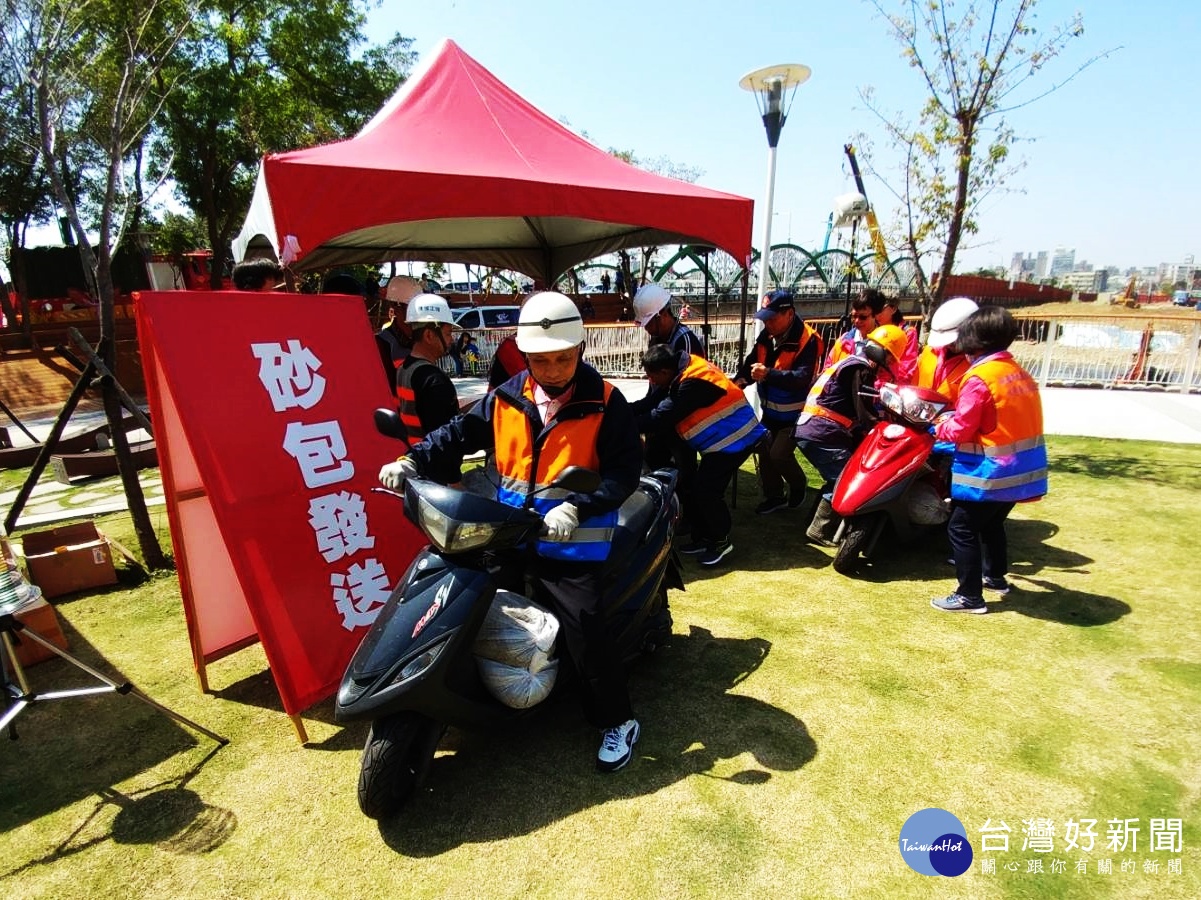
x=578 y=480
x=388 y=423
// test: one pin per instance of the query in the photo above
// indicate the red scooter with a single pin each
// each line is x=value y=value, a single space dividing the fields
x=890 y=477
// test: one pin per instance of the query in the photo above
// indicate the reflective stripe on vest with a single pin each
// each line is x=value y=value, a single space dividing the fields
x=781 y=404
x=406 y=402
x=1009 y=463
x=527 y=463
x=812 y=405
x=728 y=425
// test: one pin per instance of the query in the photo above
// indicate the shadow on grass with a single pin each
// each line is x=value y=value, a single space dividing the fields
x=71 y=747
x=168 y=815
x=1055 y=604
x=1173 y=466
x=928 y=558
x=514 y=782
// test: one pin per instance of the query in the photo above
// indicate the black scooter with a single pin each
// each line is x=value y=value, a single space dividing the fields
x=415 y=673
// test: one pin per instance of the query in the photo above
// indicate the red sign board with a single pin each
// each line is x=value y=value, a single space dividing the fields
x=262 y=405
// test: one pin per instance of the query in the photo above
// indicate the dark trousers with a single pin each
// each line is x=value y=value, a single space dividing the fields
x=977 y=533
x=778 y=463
x=573 y=592
x=710 y=514
x=829 y=462
x=669 y=450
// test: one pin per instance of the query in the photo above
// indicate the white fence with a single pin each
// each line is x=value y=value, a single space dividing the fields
x=1097 y=351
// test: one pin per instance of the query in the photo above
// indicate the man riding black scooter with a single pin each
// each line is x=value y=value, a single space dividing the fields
x=558 y=413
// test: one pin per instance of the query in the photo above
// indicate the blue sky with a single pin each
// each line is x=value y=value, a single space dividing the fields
x=1112 y=170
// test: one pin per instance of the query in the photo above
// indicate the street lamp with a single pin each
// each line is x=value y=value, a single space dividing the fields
x=774 y=88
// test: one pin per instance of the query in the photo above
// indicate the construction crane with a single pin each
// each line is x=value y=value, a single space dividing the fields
x=873 y=226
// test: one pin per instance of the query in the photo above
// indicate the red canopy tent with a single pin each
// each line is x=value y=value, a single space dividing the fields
x=457 y=168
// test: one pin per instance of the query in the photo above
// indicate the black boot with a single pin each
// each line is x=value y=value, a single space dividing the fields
x=824 y=525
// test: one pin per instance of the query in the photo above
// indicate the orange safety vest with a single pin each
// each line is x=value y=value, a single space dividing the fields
x=406 y=402
x=528 y=463
x=1009 y=463
x=727 y=425
x=780 y=404
x=813 y=406
x=939 y=373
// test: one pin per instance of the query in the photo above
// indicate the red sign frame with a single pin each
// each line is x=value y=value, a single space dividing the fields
x=262 y=406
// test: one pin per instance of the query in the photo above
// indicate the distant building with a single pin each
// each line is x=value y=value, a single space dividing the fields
x=1062 y=262
x=1083 y=282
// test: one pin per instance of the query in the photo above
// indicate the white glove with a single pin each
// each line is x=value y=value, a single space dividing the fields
x=561 y=521
x=394 y=475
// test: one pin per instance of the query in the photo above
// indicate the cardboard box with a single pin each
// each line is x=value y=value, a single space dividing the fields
x=69 y=558
x=39 y=617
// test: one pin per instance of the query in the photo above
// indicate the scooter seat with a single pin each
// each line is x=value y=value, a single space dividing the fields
x=634 y=516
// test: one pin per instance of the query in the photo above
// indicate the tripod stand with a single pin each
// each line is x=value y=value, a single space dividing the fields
x=22 y=696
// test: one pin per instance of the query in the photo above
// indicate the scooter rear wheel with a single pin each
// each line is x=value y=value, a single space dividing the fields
x=396 y=759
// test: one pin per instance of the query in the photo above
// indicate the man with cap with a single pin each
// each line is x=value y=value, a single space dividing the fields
x=783 y=363
x=652 y=310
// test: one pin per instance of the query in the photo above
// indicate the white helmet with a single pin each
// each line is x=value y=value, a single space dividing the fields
x=649 y=302
x=548 y=321
x=944 y=324
x=428 y=308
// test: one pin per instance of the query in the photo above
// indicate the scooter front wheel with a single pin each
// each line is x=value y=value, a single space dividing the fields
x=396 y=759
x=853 y=543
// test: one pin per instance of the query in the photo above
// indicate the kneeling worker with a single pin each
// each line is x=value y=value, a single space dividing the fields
x=555 y=413
x=836 y=418
x=709 y=412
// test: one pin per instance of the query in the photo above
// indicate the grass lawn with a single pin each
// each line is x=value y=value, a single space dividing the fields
x=794 y=724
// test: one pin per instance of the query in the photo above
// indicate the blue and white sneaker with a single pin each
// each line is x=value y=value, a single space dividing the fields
x=617 y=746
x=960 y=603
x=1000 y=585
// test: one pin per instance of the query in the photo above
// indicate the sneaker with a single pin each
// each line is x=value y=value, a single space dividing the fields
x=1000 y=585
x=960 y=603
x=617 y=746
x=716 y=553
x=770 y=505
x=693 y=547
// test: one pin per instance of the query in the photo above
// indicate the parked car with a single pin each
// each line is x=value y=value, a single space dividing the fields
x=476 y=317
x=463 y=287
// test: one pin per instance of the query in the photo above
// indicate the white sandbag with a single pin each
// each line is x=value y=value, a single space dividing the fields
x=517 y=632
x=517 y=687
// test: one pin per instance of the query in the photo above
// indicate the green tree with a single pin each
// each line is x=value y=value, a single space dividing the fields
x=975 y=61
x=25 y=196
x=92 y=69
x=259 y=78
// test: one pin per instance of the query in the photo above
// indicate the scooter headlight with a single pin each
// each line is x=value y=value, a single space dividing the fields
x=420 y=664
x=919 y=410
x=449 y=535
x=890 y=399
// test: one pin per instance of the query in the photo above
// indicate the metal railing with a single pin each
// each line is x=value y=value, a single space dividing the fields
x=1112 y=351
x=1157 y=352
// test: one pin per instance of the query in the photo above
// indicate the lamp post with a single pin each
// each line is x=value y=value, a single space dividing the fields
x=774 y=88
